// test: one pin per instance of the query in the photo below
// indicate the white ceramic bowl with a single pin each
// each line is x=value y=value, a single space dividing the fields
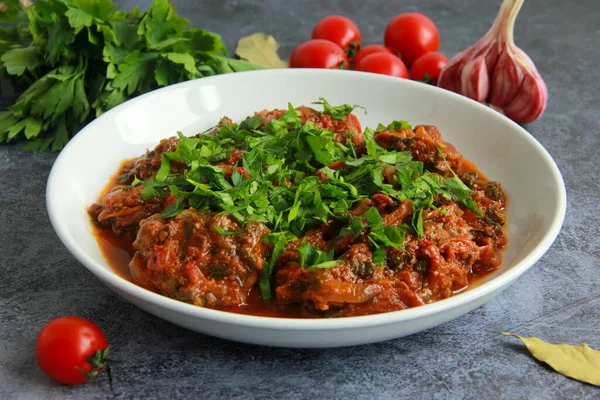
x=500 y=148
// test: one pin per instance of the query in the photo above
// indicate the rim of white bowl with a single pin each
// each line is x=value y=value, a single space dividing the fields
x=318 y=324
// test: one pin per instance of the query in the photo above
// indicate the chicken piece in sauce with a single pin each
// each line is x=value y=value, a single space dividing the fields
x=122 y=209
x=423 y=142
x=190 y=259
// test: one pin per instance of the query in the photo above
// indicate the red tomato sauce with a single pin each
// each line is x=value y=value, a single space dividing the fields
x=212 y=260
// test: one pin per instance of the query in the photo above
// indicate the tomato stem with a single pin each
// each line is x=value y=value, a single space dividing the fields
x=428 y=79
x=352 y=49
x=99 y=361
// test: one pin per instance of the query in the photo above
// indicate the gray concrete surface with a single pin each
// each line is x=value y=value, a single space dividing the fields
x=557 y=300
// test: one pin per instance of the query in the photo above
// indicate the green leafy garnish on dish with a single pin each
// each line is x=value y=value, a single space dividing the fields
x=289 y=183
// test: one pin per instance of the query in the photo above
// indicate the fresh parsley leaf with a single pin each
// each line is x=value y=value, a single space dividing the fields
x=394 y=158
x=306 y=253
x=398 y=125
x=17 y=61
x=324 y=265
x=459 y=189
x=215 y=175
x=322 y=149
x=251 y=123
x=463 y=194
x=224 y=232
x=380 y=127
x=209 y=43
x=165 y=168
x=217 y=64
x=187 y=61
x=160 y=22
x=338 y=112
x=417 y=222
x=380 y=237
x=136 y=73
x=374 y=220
x=357 y=226
x=173 y=209
x=279 y=241
x=379 y=255
x=311 y=258
x=395 y=234
x=236 y=178
x=372 y=146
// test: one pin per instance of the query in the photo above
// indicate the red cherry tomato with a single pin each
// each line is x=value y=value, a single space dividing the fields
x=430 y=64
x=68 y=343
x=412 y=35
x=339 y=30
x=371 y=49
x=383 y=63
x=319 y=53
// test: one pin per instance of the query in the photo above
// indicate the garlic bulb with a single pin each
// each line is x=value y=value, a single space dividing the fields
x=495 y=71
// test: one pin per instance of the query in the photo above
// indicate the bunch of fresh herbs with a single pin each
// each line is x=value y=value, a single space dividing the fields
x=72 y=60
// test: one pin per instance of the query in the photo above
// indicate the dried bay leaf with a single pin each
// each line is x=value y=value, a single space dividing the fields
x=260 y=49
x=578 y=362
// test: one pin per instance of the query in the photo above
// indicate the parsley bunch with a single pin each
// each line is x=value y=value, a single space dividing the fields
x=76 y=59
x=285 y=161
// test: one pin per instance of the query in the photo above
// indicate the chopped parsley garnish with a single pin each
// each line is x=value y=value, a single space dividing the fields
x=338 y=112
x=381 y=236
x=279 y=240
x=224 y=232
x=284 y=176
x=311 y=258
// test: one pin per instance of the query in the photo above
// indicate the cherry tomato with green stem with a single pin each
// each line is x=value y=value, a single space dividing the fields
x=412 y=35
x=341 y=31
x=371 y=49
x=72 y=350
x=383 y=63
x=319 y=53
x=428 y=67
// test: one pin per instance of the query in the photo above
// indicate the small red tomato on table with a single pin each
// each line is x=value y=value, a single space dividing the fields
x=412 y=35
x=339 y=30
x=428 y=67
x=319 y=53
x=72 y=350
x=383 y=63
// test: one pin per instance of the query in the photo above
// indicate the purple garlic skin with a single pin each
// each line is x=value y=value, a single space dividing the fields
x=495 y=71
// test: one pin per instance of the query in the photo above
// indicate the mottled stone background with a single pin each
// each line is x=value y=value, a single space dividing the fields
x=557 y=300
